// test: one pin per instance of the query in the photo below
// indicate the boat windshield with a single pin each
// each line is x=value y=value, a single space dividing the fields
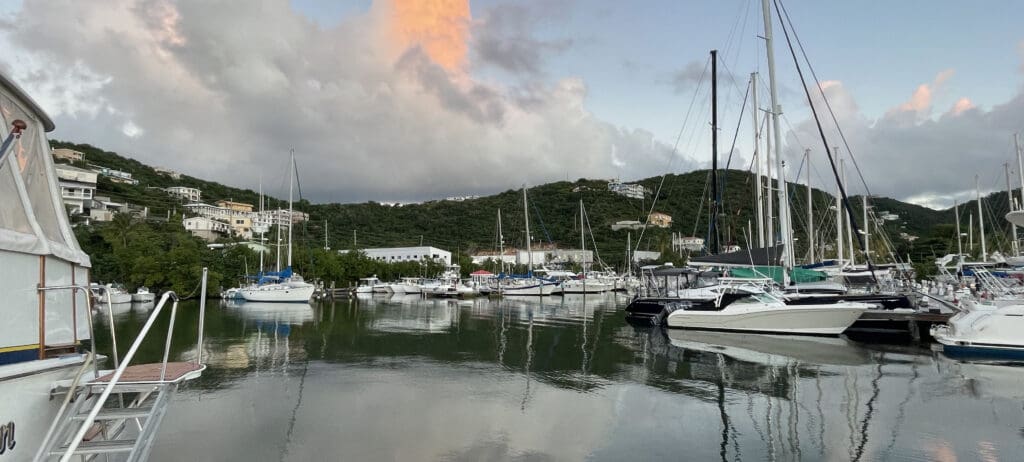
x=759 y=297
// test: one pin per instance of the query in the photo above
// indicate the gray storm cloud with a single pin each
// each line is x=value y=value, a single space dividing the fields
x=222 y=90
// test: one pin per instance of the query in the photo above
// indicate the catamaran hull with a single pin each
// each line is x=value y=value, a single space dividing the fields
x=803 y=320
x=278 y=293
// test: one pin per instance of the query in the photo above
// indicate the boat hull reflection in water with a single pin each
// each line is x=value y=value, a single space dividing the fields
x=565 y=378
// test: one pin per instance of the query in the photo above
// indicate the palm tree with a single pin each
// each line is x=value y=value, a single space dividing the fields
x=121 y=225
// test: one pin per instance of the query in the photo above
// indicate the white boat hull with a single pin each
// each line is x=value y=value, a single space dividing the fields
x=283 y=293
x=984 y=332
x=535 y=290
x=25 y=402
x=115 y=298
x=788 y=319
x=590 y=287
x=143 y=298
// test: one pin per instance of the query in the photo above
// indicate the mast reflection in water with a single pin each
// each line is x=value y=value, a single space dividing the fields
x=561 y=378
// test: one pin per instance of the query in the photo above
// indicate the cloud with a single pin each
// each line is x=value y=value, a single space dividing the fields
x=962 y=105
x=503 y=38
x=380 y=106
x=919 y=106
x=926 y=159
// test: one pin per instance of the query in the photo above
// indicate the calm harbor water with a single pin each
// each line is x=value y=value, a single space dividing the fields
x=559 y=379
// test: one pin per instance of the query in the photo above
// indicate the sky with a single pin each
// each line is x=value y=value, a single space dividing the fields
x=411 y=100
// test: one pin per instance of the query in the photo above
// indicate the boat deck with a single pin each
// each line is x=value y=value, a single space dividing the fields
x=176 y=371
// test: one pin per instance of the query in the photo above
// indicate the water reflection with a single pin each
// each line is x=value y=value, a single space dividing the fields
x=565 y=378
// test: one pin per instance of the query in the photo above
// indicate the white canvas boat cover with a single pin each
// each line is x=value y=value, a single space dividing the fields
x=32 y=215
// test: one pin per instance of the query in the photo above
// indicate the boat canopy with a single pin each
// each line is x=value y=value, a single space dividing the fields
x=798 y=275
x=765 y=256
x=265 y=277
x=32 y=215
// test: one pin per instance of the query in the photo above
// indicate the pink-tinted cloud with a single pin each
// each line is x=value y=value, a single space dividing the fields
x=920 y=102
x=962 y=105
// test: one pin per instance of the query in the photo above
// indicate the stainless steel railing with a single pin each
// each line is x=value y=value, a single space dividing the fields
x=130 y=354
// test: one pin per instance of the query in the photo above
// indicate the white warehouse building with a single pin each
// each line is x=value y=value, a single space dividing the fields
x=400 y=254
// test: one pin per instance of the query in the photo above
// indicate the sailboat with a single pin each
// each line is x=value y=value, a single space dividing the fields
x=583 y=285
x=530 y=285
x=286 y=285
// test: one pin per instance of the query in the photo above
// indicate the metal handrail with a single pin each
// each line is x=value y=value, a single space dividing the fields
x=67 y=399
x=84 y=428
x=88 y=308
x=109 y=388
x=113 y=332
x=167 y=342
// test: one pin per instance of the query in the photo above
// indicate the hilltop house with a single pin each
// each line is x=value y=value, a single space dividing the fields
x=186 y=193
x=660 y=220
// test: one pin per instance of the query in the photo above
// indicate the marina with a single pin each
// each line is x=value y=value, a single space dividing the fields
x=411 y=378
x=803 y=294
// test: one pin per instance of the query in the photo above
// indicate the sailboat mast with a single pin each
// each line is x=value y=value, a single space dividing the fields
x=867 y=228
x=849 y=217
x=769 y=221
x=714 y=247
x=262 y=230
x=758 y=202
x=970 y=233
x=981 y=218
x=526 y=213
x=1009 y=197
x=1020 y=171
x=810 y=209
x=629 y=248
x=501 y=244
x=959 y=243
x=278 y=240
x=583 y=248
x=839 y=218
x=291 y=184
x=784 y=225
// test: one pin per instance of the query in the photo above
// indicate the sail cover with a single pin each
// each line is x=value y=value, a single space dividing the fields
x=765 y=256
x=32 y=215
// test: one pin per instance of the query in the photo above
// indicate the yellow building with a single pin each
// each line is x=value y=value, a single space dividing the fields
x=660 y=220
x=235 y=206
x=241 y=226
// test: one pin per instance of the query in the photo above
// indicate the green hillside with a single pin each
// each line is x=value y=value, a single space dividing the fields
x=470 y=226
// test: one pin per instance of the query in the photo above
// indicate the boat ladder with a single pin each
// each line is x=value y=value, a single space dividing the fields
x=117 y=412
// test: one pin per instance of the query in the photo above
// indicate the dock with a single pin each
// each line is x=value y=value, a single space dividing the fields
x=901 y=323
